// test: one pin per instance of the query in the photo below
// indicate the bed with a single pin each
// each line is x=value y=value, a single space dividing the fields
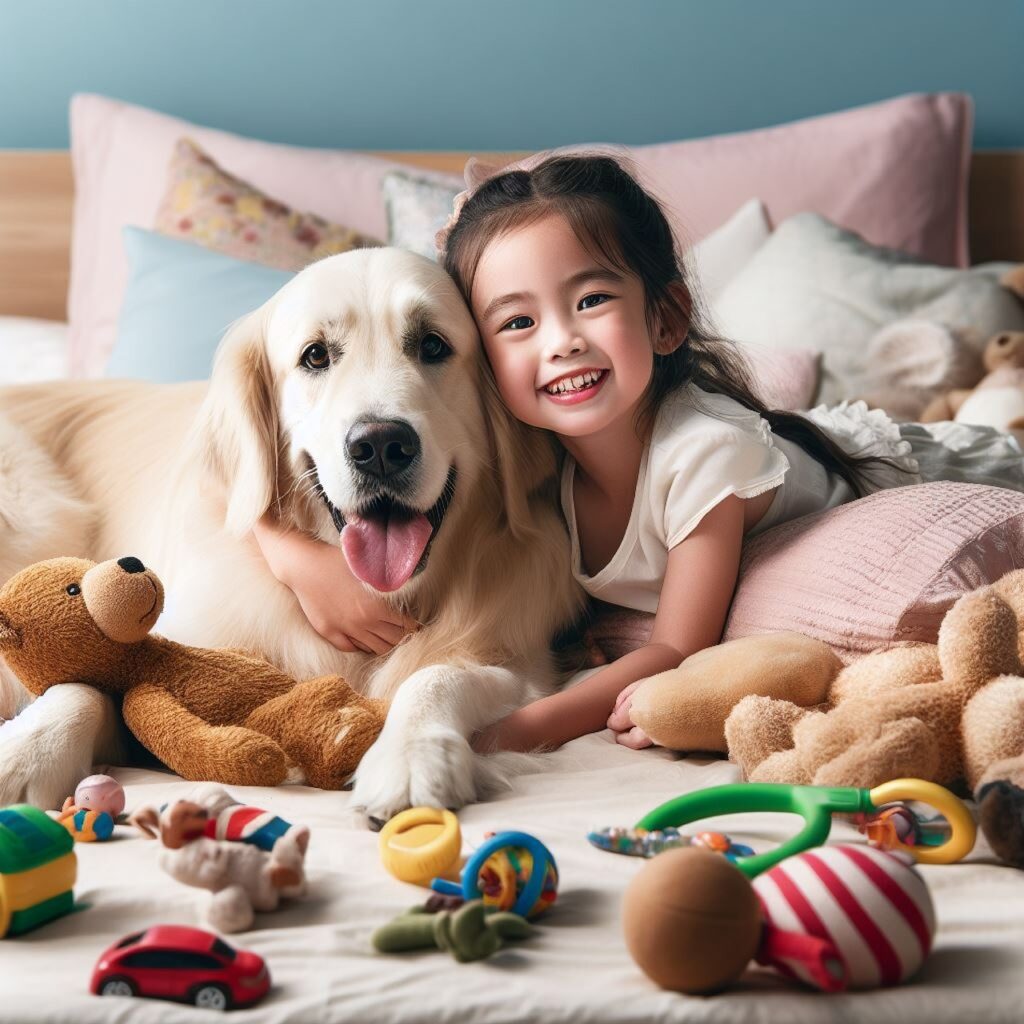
x=576 y=968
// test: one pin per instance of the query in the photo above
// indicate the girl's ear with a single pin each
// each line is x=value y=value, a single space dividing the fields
x=673 y=319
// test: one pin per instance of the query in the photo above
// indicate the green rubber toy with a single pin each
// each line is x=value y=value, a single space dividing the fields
x=468 y=933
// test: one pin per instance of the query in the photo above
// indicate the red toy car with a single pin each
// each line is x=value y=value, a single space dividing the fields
x=176 y=962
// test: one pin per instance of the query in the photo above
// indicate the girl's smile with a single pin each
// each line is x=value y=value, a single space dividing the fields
x=576 y=387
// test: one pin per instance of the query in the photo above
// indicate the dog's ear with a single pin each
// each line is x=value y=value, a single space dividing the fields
x=238 y=424
x=10 y=635
x=524 y=458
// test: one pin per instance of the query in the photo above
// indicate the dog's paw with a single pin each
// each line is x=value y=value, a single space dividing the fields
x=432 y=767
x=52 y=745
x=28 y=775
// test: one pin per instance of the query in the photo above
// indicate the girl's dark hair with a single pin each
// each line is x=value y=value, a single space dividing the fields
x=624 y=227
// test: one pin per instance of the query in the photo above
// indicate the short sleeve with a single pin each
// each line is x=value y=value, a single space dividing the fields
x=699 y=460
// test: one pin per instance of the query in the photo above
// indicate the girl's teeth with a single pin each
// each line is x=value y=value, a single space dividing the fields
x=574 y=383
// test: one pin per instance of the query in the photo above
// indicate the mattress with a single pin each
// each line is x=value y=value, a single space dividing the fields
x=575 y=969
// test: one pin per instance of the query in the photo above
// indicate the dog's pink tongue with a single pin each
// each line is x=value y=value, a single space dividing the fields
x=384 y=552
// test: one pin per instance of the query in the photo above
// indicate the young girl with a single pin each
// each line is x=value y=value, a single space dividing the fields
x=671 y=459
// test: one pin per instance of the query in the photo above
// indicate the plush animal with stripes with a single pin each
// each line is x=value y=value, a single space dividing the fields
x=835 y=918
x=248 y=858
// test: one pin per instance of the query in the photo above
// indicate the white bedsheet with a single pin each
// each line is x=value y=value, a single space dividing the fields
x=576 y=969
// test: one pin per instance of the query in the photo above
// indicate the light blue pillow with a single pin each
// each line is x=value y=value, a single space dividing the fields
x=179 y=301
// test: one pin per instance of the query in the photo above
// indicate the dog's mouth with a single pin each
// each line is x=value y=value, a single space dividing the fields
x=386 y=542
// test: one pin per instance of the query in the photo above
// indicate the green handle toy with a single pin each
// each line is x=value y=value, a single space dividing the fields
x=816 y=805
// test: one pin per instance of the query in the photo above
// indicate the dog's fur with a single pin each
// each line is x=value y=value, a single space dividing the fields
x=177 y=476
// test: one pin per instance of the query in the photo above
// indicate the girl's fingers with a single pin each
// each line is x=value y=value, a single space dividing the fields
x=406 y=623
x=635 y=739
x=342 y=643
x=376 y=644
x=389 y=633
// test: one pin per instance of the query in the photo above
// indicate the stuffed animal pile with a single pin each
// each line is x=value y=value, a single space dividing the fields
x=942 y=712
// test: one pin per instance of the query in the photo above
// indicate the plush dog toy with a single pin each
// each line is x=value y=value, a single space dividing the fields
x=215 y=715
x=938 y=712
x=998 y=400
x=244 y=876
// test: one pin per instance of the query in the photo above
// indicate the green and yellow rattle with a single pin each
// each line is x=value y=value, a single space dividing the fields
x=816 y=805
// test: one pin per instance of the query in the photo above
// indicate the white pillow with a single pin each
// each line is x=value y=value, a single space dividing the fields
x=814 y=285
x=32 y=349
x=719 y=257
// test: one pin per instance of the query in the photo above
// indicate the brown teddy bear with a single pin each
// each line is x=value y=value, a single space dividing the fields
x=938 y=712
x=998 y=399
x=216 y=715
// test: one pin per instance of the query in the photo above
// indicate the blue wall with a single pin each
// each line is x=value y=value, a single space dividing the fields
x=492 y=74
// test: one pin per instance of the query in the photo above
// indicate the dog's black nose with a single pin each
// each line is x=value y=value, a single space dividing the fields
x=131 y=564
x=382 y=448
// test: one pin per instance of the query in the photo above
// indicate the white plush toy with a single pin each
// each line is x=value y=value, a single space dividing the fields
x=998 y=400
x=260 y=864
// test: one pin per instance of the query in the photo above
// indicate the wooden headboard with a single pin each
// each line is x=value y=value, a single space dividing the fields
x=36 y=193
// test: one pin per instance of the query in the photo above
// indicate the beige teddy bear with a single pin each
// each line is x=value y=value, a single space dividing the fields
x=998 y=400
x=938 y=712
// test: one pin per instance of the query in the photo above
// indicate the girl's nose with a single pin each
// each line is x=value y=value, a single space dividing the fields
x=565 y=345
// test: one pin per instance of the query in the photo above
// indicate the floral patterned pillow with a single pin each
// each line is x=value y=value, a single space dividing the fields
x=418 y=207
x=206 y=205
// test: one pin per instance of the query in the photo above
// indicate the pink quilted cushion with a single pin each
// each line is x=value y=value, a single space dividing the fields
x=883 y=569
x=865 y=575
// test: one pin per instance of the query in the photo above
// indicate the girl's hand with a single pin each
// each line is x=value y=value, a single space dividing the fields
x=626 y=733
x=338 y=606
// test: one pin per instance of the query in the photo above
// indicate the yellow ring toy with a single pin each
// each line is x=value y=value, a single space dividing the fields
x=421 y=844
x=962 y=830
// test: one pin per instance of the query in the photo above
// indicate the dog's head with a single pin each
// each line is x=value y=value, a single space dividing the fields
x=358 y=395
x=72 y=620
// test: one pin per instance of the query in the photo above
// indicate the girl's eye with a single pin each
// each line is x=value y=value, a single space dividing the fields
x=519 y=323
x=433 y=348
x=589 y=301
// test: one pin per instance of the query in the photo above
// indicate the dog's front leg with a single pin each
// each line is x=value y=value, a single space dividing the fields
x=53 y=744
x=422 y=756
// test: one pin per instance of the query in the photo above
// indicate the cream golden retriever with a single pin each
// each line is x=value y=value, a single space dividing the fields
x=356 y=400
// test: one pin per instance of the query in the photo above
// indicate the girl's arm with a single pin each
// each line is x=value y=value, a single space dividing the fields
x=345 y=612
x=695 y=596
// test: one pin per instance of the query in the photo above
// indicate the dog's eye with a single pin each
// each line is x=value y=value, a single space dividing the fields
x=316 y=357
x=73 y=589
x=433 y=348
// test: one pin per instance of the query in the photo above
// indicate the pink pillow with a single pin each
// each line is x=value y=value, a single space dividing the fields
x=786 y=378
x=894 y=172
x=880 y=570
x=863 y=576
x=121 y=155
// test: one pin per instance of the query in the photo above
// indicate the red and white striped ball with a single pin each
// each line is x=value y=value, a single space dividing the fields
x=871 y=904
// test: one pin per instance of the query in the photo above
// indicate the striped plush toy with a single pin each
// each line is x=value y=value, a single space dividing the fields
x=845 y=916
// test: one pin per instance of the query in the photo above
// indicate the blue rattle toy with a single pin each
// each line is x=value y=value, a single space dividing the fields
x=510 y=871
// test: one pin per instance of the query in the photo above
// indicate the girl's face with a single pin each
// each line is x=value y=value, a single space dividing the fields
x=567 y=338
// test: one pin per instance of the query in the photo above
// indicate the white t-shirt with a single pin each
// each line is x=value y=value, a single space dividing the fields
x=703 y=448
